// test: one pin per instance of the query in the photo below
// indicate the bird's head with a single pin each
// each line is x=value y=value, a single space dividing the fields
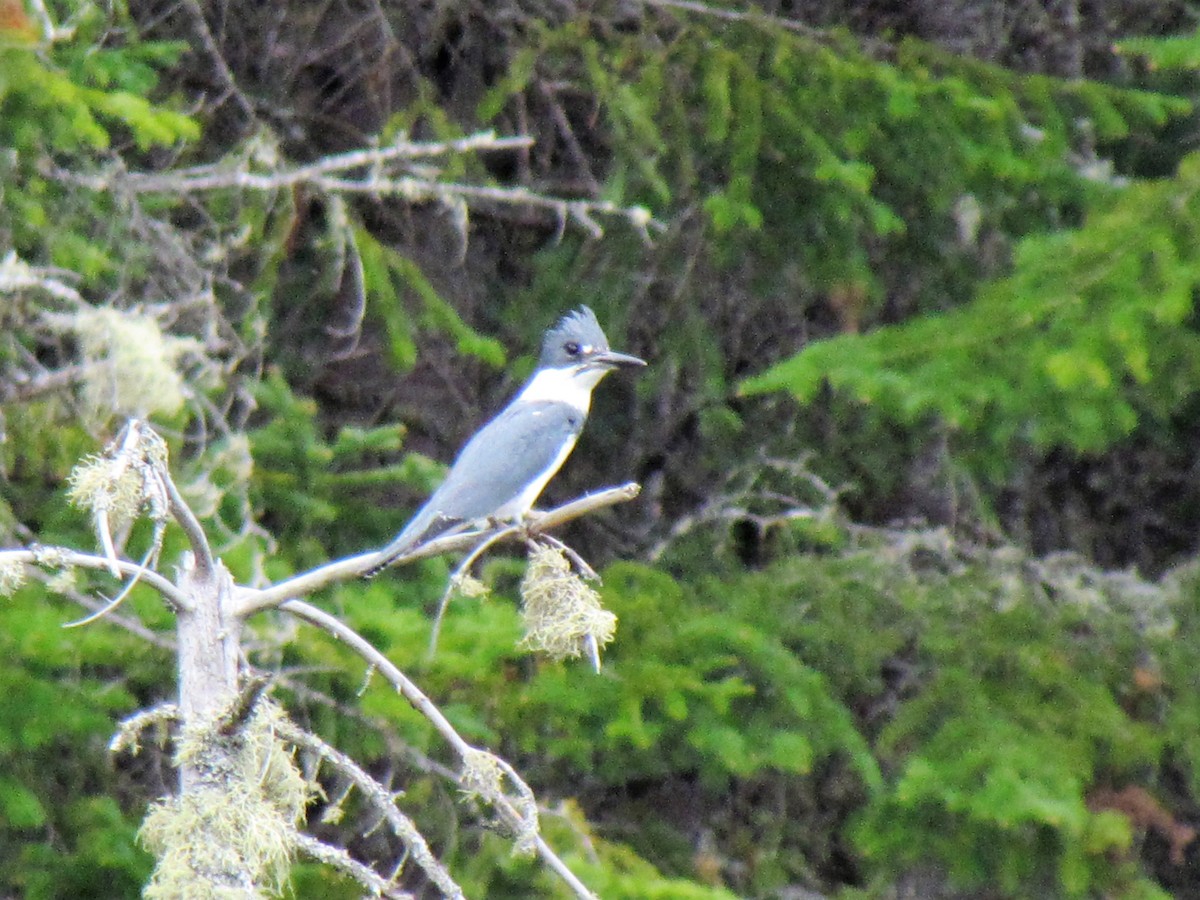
x=577 y=343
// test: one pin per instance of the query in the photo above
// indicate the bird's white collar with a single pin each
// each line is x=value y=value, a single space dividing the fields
x=572 y=386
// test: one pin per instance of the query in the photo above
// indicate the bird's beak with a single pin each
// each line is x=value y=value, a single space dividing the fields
x=614 y=360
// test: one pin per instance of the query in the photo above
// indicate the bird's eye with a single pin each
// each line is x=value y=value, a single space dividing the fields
x=572 y=348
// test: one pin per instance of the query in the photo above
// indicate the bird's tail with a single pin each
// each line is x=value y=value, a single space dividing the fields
x=418 y=532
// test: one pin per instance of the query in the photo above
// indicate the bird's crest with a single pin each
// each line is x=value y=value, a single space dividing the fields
x=579 y=326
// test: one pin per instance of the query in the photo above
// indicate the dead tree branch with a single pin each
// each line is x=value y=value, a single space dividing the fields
x=249 y=601
x=215 y=702
x=514 y=816
x=367 y=172
x=382 y=800
x=64 y=558
x=337 y=858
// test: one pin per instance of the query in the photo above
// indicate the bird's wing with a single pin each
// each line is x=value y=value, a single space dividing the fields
x=496 y=465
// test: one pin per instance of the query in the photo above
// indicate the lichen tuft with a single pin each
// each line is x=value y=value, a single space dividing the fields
x=560 y=611
x=233 y=834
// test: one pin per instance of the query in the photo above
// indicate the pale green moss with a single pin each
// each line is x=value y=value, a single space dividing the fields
x=123 y=480
x=560 y=610
x=241 y=819
x=468 y=586
x=12 y=576
x=132 y=368
x=102 y=485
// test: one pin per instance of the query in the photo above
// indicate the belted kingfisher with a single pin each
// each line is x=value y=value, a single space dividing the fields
x=504 y=467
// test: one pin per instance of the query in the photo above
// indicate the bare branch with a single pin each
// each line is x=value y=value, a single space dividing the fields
x=421 y=703
x=211 y=178
x=364 y=648
x=752 y=17
x=63 y=558
x=457 y=580
x=581 y=506
x=337 y=858
x=197 y=538
x=233 y=718
x=383 y=729
x=50 y=32
x=581 y=565
x=424 y=189
x=107 y=608
x=249 y=601
x=130 y=729
x=382 y=799
x=132 y=625
x=343 y=174
x=21 y=387
x=216 y=58
x=18 y=275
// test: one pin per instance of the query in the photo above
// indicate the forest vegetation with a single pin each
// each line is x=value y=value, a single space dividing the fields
x=909 y=602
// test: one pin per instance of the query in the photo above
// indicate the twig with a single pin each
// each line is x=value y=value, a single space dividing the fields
x=567 y=133
x=205 y=37
x=120 y=598
x=383 y=729
x=732 y=15
x=103 y=529
x=130 y=728
x=21 y=387
x=50 y=31
x=364 y=648
x=452 y=585
x=18 y=275
x=248 y=601
x=133 y=626
x=402 y=826
x=235 y=717
x=337 y=858
x=332 y=175
x=197 y=538
x=581 y=565
x=210 y=178
x=426 y=707
x=61 y=557
x=419 y=189
x=581 y=506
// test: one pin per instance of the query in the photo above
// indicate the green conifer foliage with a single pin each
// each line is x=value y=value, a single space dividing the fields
x=1085 y=340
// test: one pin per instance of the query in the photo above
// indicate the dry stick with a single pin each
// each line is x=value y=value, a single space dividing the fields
x=134 y=626
x=209 y=178
x=464 y=568
x=420 y=702
x=339 y=859
x=108 y=607
x=417 y=189
x=18 y=275
x=377 y=724
x=33 y=386
x=224 y=74
x=248 y=601
x=402 y=826
x=731 y=15
x=61 y=557
x=130 y=729
x=197 y=539
x=581 y=564
x=331 y=175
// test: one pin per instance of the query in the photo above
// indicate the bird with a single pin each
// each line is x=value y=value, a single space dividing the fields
x=501 y=471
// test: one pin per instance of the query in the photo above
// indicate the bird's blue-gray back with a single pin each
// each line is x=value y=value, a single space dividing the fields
x=482 y=480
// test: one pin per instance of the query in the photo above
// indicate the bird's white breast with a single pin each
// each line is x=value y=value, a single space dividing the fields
x=523 y=502
x=570 y=386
